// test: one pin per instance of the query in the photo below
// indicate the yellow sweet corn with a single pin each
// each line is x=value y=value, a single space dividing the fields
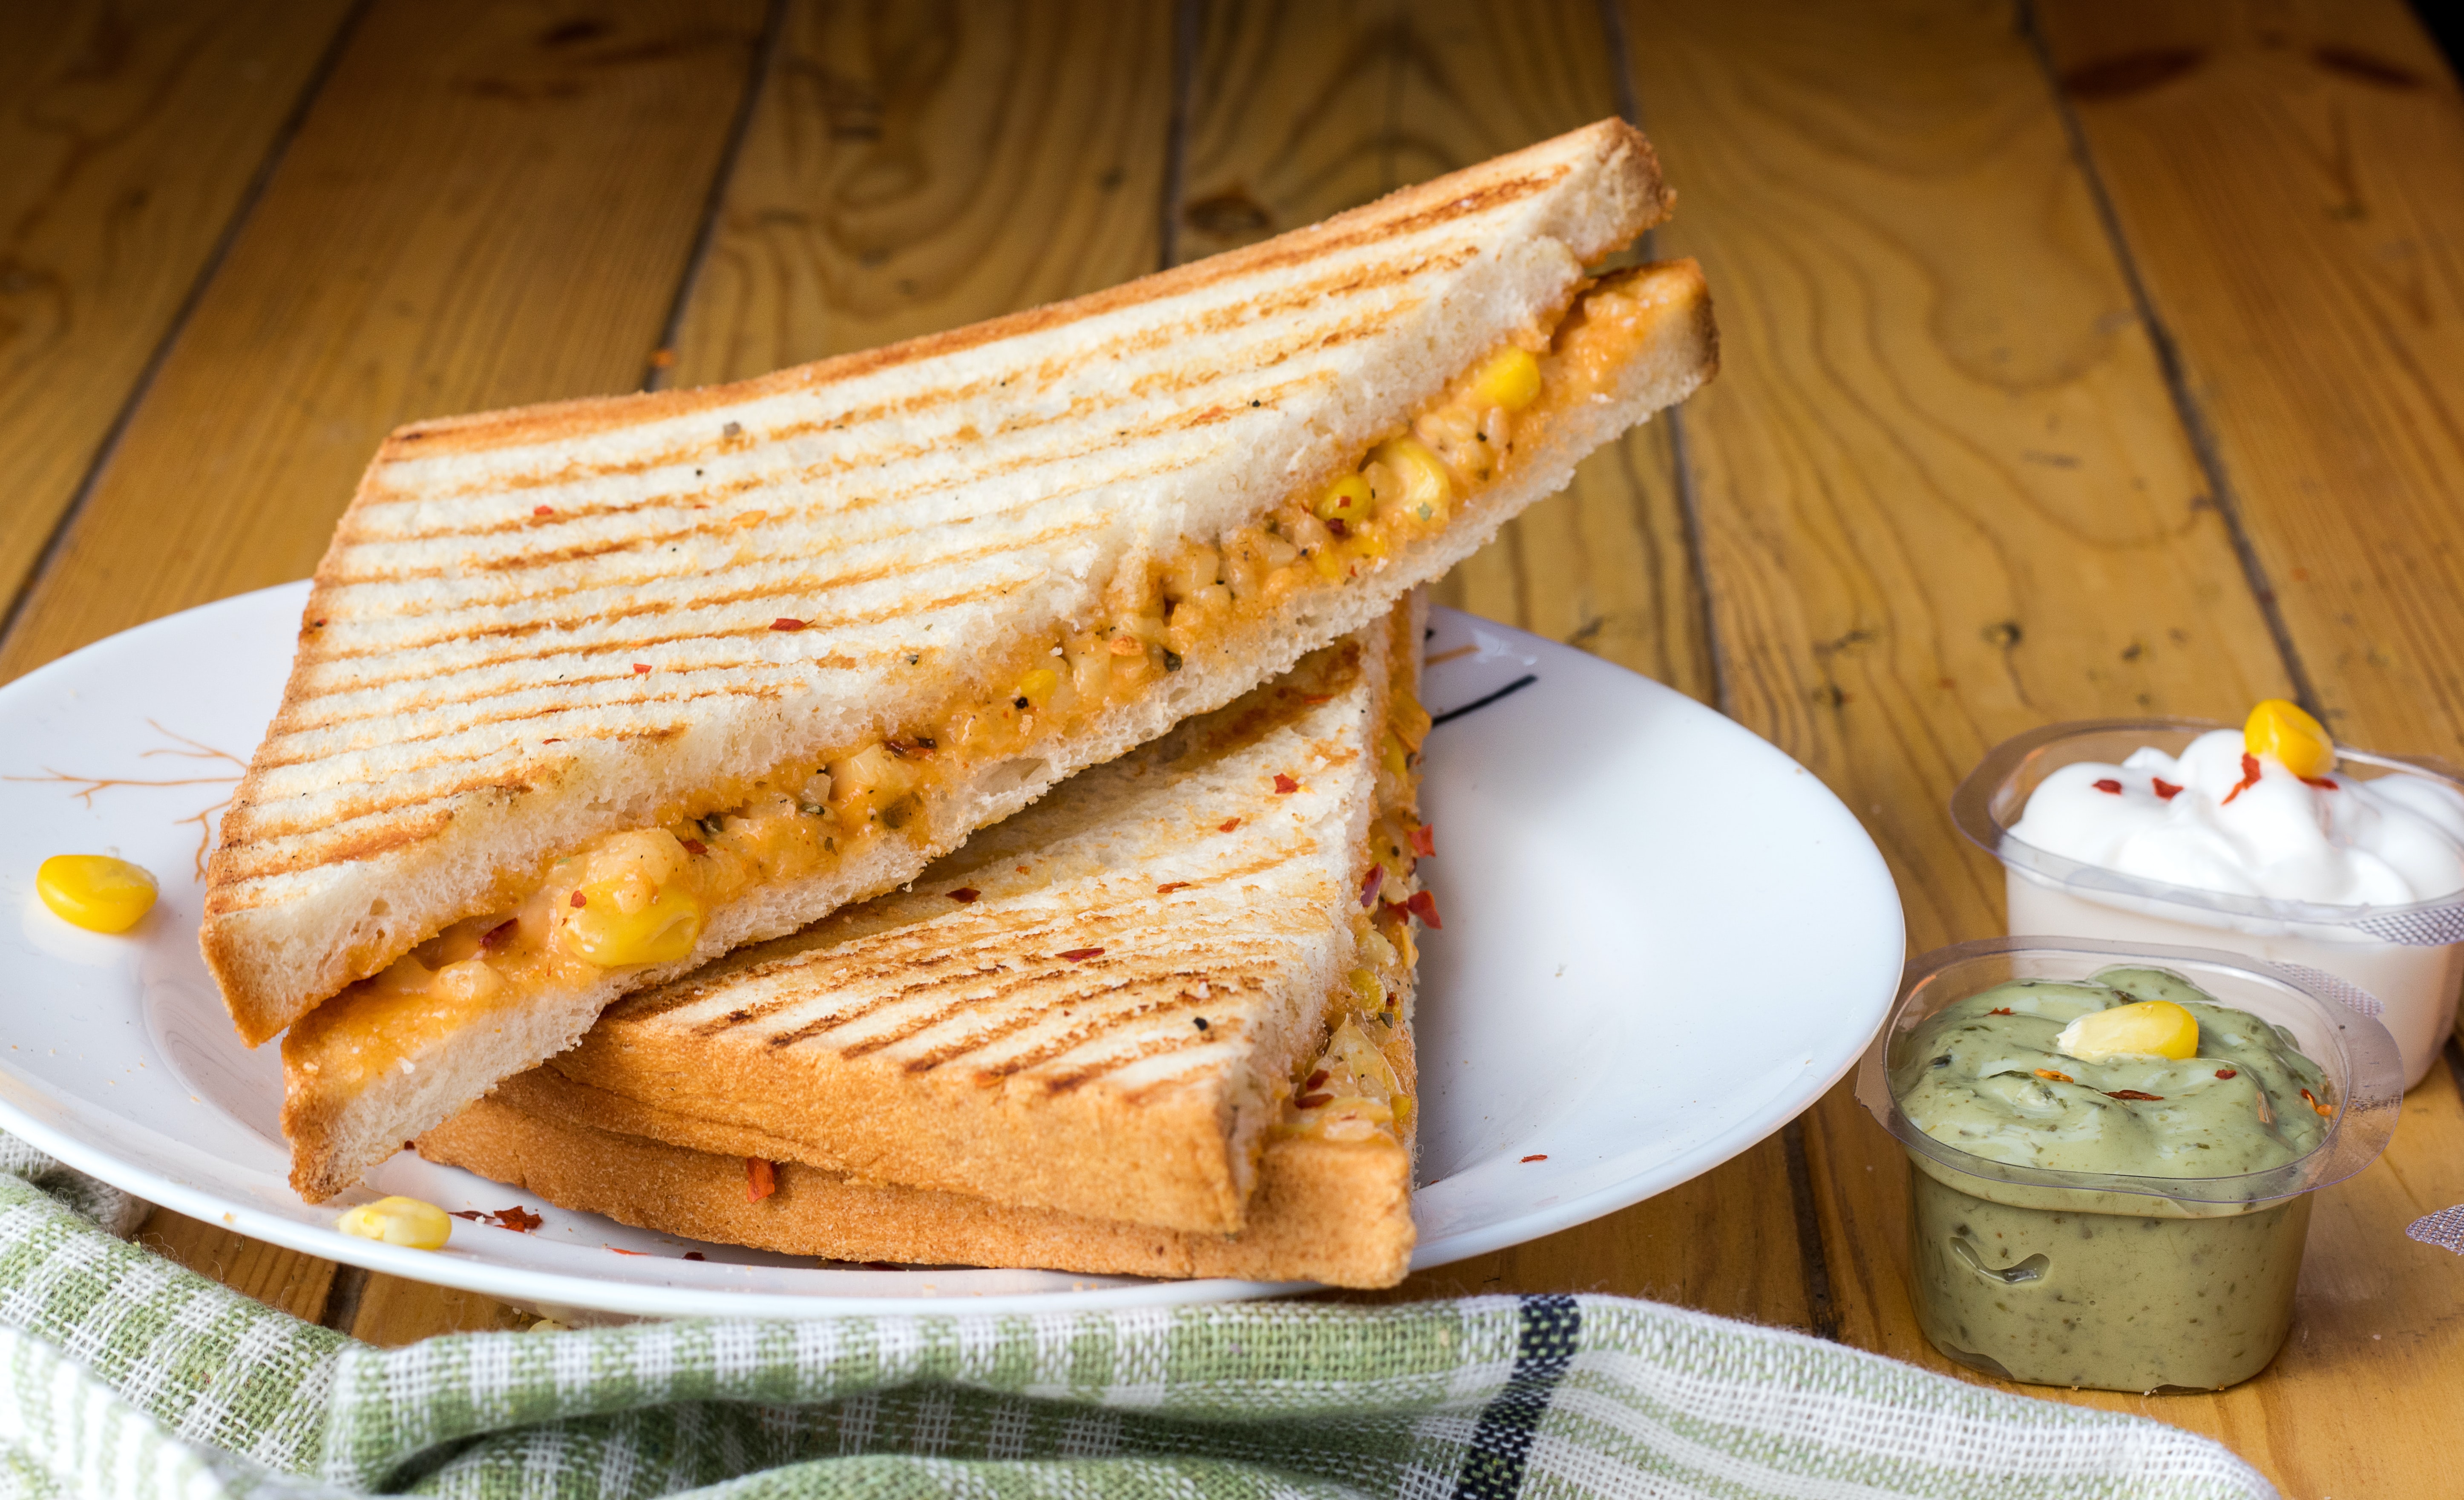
x=1366 y=985
x=96 y=892
x=1420 y=477
x=398 y=1220
x=1346 y=499
x=1037 y=686
x=604 y=933
x=2149 y=1028
x=1511 y=379
x=2300 y=743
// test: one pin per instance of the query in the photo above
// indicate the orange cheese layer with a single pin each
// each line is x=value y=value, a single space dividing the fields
x=639 y=897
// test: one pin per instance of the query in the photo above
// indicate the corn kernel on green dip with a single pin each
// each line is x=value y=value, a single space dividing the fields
x=2102 y=1289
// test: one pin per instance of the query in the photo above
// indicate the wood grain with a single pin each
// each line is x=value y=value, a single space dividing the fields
x=1944 y=497
x=914 y=168
x=1302 y=110
x=481 y=209
x=296 y=1284
x=131 y=134
x=393 y=1312
x=2290 y=181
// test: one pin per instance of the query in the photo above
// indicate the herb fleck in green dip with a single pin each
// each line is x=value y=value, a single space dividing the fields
x=2103 y=1289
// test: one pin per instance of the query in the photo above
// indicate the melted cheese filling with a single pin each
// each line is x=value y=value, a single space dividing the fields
x=640 y=897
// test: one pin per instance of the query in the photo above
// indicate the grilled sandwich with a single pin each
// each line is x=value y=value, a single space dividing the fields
x=588 y=694
x=1158 y=1024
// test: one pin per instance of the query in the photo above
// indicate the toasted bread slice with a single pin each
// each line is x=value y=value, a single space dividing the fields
x=1099 y=1006
x=837 y=618
x=1332 y=1211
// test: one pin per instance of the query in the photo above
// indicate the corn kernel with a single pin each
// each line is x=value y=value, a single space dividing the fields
x=1511 y=379
x=2149 y=1028
x=1365 y=984
x=1037 y=686
x=2300 y=743
x=1396 y=760
x=1420 y=477
x=661 y=931
x=1346 y=499
x=398 y=1220
x=96 y=892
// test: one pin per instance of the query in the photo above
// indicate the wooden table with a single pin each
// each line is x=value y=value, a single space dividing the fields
x=2105 y=358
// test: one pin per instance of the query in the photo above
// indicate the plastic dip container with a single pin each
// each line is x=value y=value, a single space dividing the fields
x=2111 y=1280
x=2408 y=959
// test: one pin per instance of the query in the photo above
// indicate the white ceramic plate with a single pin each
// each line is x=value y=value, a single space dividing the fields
x=1663 y=938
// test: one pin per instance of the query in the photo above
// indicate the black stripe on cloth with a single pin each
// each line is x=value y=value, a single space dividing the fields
x=1477 y=704
x=1502 y=1439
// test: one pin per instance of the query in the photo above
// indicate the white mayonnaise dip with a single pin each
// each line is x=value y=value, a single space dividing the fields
x=2201 y=821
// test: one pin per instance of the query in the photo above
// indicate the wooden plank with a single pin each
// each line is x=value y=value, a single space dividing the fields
x=908 y=170
x=393 y=1312
x=130 y=136
x=487 y=205
x=2290 y=181
x=296 y=1284
x=1300 y=111
x=1943 y=499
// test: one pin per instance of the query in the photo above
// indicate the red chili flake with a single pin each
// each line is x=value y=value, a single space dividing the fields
x=759 y=1179
x=1424 y=906
x=2166 y=790
x=579 y=900
x=553 y=739
x=2109 y=784
x=963 y=894
x=784 y=623
x=1317 y=1081
x=1338 y=526
x=696 y=1255
x=2310 y=1100
x=1227 y=825
x=1311 y=699
x=1424 y=841
x=1999 y=1010
x=2322 y=783
x=1082 y=955
x=2227 y=1072
x=1285 y=785
x=696 y=848
x=1537 y=1155
x=642 y=669
x=2133 y=1093
x=543 y=509
x=499 y=935
x=472 y=1214
x=1369 y=884
x=628 y=1253
x=518 y=1219
x=2047 y=1073
x=1170 y=886
x=2248 y=777
x=1311 y=1101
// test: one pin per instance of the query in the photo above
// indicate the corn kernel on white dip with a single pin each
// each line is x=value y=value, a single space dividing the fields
x=2220 y=819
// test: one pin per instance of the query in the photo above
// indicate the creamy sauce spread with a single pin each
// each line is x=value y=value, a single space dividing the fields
x=2217 y=818
x=2099 y=1289
x=1977 y=1079
x=645 y=892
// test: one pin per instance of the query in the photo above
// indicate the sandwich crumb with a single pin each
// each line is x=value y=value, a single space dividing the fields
x=696 y=1255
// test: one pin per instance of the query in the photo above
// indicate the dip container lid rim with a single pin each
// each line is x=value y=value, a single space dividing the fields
x=1971 y=811
x=2362 y=1124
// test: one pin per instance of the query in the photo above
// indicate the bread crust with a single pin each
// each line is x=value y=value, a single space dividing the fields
x=1325 y=1211
x=344 y=848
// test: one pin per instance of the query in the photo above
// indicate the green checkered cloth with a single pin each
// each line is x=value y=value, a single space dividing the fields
x=121 y=1373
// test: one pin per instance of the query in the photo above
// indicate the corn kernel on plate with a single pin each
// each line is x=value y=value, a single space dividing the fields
x=1662 y=940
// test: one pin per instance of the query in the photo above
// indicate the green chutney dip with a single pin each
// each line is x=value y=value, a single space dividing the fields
x=2082 y=1287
